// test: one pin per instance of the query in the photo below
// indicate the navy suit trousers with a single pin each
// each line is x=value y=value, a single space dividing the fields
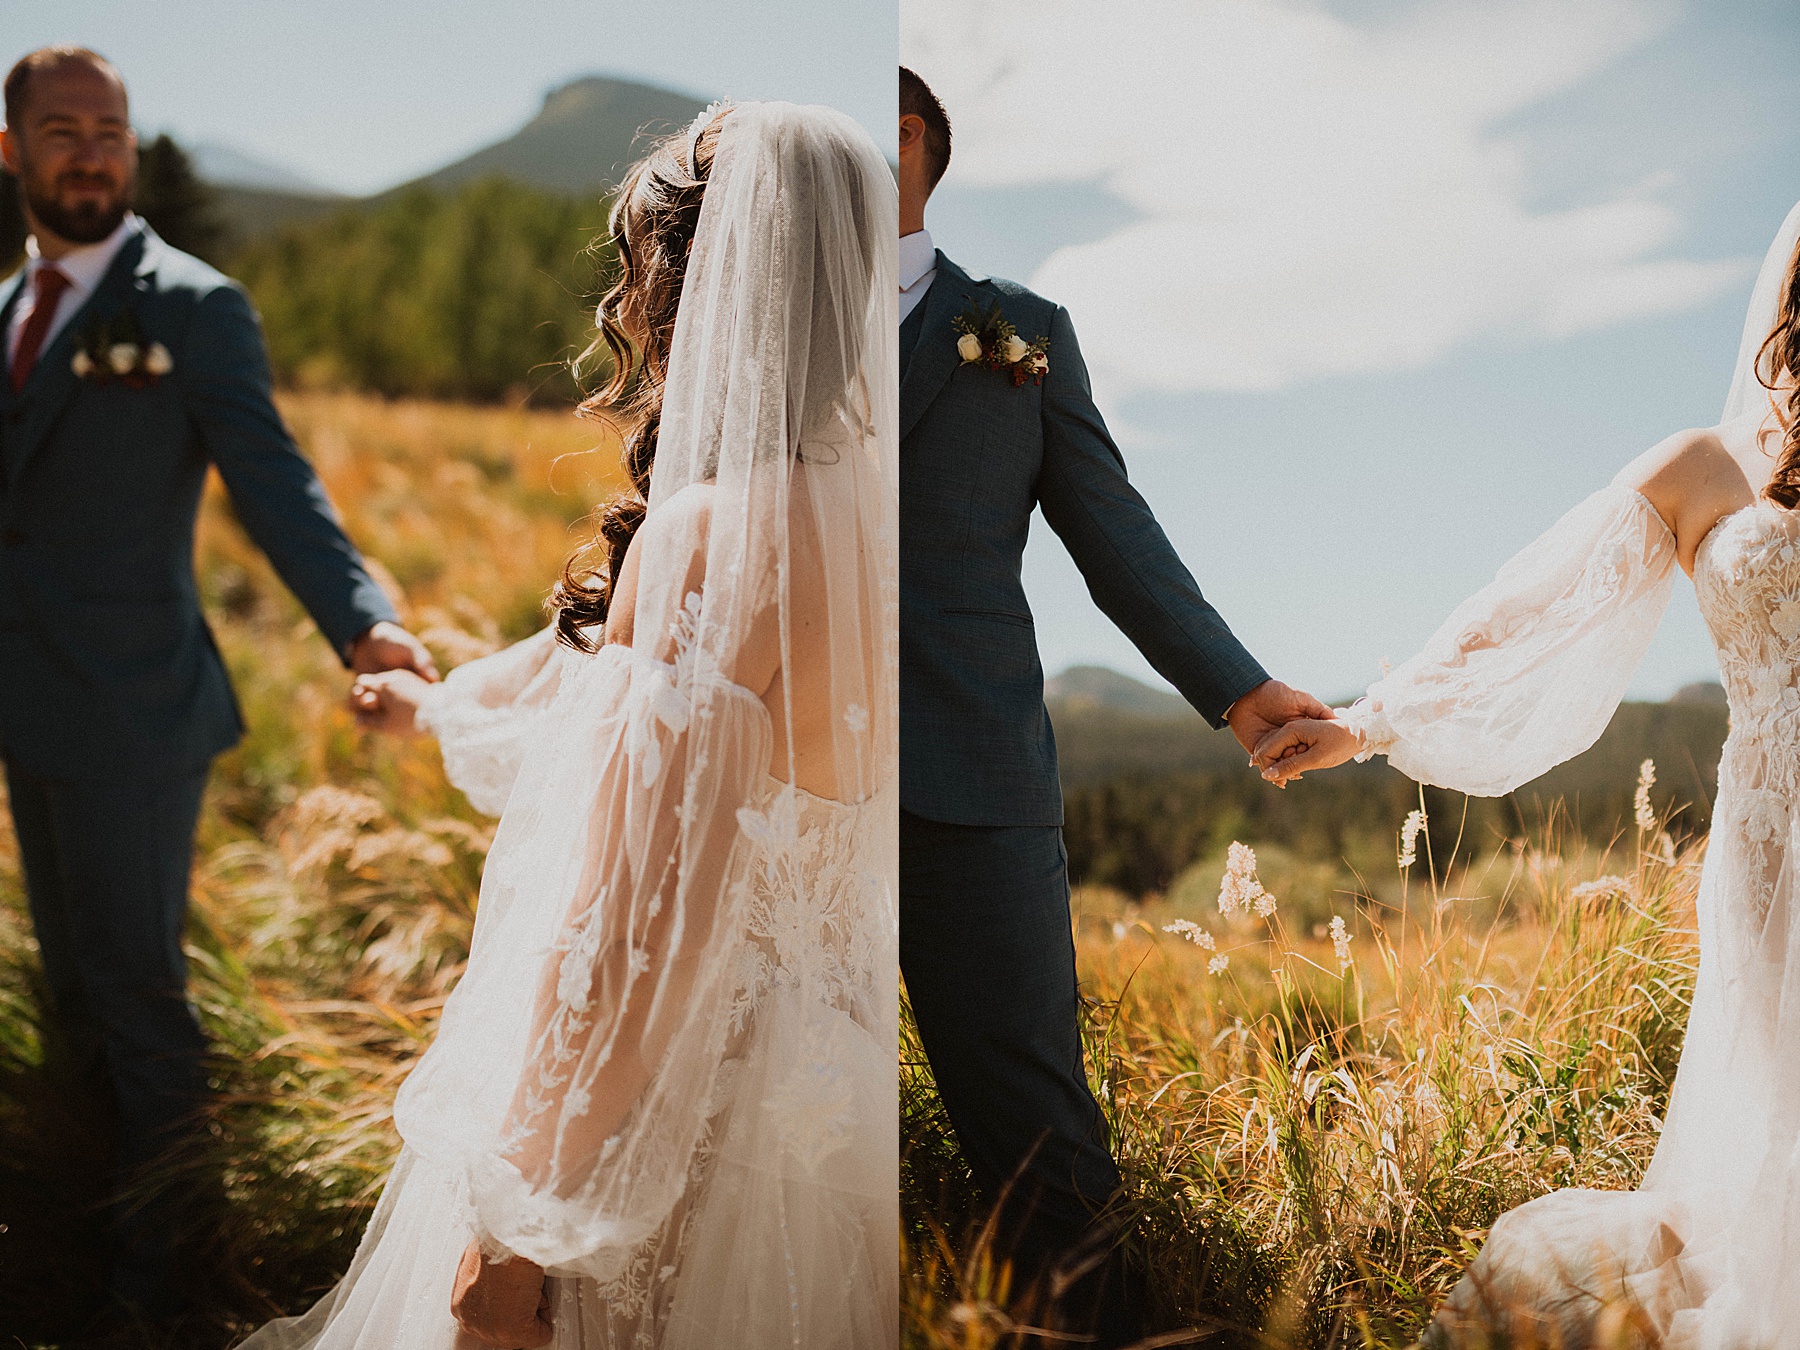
x=106 y=871
x=989 y=961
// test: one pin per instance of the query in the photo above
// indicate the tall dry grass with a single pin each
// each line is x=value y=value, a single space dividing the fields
x=335 y=880
x=1315 y=1149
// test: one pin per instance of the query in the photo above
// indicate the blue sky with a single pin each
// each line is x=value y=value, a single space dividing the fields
x=358 y=96
x=1372 y=292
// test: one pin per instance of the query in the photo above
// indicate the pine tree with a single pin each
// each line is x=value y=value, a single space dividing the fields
x=12 y=224
x=179 y=206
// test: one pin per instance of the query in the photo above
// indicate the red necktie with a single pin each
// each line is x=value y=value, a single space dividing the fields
x=50 y=285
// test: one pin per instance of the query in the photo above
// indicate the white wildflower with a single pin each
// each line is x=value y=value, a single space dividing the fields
x=1340 y=941
x=1217 y=965
x=1119 y=930
x=1193 y=932
x=1601 y=887
x=1409 y=838
x=1646 y=815
x=1239 y=887
x=968 y=346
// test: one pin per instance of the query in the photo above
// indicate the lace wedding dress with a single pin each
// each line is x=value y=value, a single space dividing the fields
x=1526 y=674
x=668 y=1073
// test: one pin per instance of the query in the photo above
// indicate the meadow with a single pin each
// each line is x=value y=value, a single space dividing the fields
x=335 y=878
x=1318 y=1120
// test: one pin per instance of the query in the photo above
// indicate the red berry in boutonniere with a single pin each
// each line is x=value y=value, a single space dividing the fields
x=989 y=339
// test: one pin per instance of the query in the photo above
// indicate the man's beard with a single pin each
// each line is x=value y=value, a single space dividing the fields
x=87 y=223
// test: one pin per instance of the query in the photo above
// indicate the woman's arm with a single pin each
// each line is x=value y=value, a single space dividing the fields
x=1523 y=675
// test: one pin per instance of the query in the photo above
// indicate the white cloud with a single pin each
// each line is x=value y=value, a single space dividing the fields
x=1314 y=197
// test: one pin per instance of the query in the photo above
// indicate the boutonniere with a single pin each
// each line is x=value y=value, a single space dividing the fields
x=989 y=339
x=114 y=349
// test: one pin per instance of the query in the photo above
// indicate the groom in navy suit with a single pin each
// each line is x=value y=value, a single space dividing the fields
x=130 y=368
x=985 y=942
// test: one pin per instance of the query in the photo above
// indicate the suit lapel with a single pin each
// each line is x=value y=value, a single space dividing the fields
x=52 y=381
x=9 y=297
x=935 y=358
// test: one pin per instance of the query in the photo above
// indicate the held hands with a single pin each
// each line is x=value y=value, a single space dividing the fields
x=388 y=701
x=1270 y=705
x=503 y=1304
x=392 y=668
x=388 y=646
x=1288 y=751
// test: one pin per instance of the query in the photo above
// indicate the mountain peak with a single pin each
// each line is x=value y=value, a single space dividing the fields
x=583 y=139
x=1081 y=689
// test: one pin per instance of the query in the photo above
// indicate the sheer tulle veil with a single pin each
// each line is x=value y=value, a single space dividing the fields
x=1747 y=392
x=583 y=1054
x=667 y=1075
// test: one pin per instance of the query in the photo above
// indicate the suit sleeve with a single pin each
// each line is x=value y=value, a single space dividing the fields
x=1131 y=569
x=277 y=496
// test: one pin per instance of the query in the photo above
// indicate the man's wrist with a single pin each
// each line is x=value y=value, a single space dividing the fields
x=349 y=652
x=1231 y=707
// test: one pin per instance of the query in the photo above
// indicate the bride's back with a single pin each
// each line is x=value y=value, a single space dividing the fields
x=796 y=654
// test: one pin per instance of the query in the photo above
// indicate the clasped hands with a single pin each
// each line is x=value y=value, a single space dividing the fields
x=392 y=669
x=1288 y=732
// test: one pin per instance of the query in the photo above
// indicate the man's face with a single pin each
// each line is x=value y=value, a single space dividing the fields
x=75 y=154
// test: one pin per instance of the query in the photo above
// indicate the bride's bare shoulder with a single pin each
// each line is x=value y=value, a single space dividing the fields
x=1692 y=479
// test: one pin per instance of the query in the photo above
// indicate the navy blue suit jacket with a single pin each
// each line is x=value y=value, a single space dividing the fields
x=106 y=662
x=977 y=454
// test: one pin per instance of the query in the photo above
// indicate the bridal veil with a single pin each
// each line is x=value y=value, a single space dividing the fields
x=667 y=1075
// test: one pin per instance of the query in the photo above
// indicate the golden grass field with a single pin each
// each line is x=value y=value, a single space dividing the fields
x=1315 y=1152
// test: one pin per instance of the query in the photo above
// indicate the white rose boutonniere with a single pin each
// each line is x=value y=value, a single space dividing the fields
x=989 y=339
x=116 y=349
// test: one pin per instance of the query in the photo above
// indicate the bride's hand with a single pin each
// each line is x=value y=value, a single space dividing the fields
x=505 y=1305
x=388 y=701
x=1305 y=743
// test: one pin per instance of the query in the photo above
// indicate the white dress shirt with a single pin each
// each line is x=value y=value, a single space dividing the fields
x=83 y=266
x=918 y=269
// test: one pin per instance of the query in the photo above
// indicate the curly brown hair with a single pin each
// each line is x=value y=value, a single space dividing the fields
x=651 y=229
x=1778 y=368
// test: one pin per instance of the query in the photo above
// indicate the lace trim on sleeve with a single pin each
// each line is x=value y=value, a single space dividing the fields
x=1371 y=726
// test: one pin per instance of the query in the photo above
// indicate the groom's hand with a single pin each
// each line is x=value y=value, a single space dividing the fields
x=1271 y=704
x=388 y=646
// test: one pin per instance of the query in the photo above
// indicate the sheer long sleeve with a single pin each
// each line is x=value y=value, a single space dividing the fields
x=484 y=712
x=1527 y=672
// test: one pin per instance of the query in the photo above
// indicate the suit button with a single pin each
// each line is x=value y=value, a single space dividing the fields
x=11 y=538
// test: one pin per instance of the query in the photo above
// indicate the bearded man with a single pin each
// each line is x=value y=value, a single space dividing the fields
x=130 y=368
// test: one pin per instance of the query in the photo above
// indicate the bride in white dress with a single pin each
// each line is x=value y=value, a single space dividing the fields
x=661 y=1107
x=1526 y=674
